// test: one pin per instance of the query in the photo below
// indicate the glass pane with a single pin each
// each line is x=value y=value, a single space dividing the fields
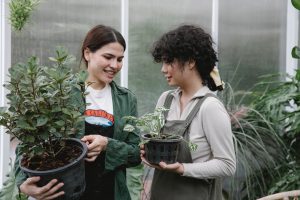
x=148 y=20
x=251 y=40
x=62 y=23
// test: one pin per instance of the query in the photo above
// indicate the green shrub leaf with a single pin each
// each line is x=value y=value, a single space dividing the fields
x=296 y=52
x=296 y=4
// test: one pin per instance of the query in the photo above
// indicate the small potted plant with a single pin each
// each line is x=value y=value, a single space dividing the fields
x=44 y=115
x=158 y=146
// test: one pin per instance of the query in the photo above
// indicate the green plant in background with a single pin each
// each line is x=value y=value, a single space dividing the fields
x=258 y=147
x=42 y=108
x=280 y=104
x=9 y=191
x=20 y=11
x=273 y=120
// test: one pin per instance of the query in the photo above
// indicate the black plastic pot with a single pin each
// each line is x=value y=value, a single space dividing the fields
x=72 y=175
x=157 y=150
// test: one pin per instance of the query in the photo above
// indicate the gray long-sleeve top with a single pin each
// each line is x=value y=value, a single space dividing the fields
x=211 y=131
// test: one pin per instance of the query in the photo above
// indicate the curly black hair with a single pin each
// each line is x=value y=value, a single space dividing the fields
x=188 y=43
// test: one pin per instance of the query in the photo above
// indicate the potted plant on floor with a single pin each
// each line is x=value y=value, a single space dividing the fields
x=44 y=114
x=158 y=146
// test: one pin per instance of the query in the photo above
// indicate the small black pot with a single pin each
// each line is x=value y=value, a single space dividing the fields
x=157 y=150
x=72 y=175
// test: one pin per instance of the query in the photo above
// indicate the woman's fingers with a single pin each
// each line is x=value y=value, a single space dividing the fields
x=46 y=188
x=33 y=179
x=91 y=159
x=94 y=153
x=54 y=189
x=52 y=193
x=54 y=196
x=150 y=165
x=174 y=167
x=95 y=142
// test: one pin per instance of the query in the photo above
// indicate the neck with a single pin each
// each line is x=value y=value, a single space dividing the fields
x=191 y=87
x=97 y=85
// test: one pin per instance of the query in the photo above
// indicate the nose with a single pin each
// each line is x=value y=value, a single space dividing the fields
x=164 y=68
x=115 y=64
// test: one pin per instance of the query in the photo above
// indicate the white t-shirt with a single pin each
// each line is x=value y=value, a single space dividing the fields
x=99 y=109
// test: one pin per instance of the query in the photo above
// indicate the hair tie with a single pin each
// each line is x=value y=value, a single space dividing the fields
x=214 y=74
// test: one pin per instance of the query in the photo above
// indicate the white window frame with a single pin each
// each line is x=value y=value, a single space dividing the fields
x=215 y=23
x=292 y=31
x=5 y=62
x=124 y=32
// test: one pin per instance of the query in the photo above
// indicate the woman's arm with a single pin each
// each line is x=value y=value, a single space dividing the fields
x=124 y=150
x=216 y=125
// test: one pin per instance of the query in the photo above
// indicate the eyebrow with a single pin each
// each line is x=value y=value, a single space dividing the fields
x=109 y=54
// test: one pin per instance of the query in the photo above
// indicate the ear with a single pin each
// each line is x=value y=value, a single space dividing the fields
x=191 y=64
x=87 y=53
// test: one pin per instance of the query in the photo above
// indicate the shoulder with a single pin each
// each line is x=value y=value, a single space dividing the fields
x=213 y=105
x=162 y=98
x=119 y=90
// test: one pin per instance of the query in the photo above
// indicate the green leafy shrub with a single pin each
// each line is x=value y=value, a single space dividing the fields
x=42 y=106
x=279 y=102
x=20 y=11
x=259 y=149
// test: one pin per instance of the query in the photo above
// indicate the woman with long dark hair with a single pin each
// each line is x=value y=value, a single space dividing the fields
x=110 y=149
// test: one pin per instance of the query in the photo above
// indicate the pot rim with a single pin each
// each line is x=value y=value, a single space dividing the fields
x=167 y=140
x=59 y=169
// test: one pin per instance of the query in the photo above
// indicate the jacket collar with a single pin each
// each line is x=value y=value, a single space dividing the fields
x=118 y=89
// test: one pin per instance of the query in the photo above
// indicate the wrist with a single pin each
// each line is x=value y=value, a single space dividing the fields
x=180 y=169
x=105 y=142
x=22 y=196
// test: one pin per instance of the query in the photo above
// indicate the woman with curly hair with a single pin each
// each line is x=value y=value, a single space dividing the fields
x=188 y=62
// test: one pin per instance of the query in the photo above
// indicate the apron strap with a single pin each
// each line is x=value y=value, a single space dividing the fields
x=193 y=112
x=168 y=102
x=196 y=109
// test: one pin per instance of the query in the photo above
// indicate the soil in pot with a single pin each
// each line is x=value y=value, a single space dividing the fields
x=45 y=162
x=70 y=170
x=163 y=149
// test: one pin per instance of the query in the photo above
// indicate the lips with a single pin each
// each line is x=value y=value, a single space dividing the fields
x=110 y=73
x=168 y=78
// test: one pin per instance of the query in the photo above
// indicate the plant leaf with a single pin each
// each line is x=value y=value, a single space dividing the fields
x=296 y=4
x=128 y=128
x=41 y=121
x=296 y=52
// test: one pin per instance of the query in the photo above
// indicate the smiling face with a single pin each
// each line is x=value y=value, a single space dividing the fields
x=104 y=64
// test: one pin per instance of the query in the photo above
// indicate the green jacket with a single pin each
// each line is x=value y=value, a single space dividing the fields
x=122 y=150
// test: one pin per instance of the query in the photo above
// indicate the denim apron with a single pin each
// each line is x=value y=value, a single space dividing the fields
x=172 y=186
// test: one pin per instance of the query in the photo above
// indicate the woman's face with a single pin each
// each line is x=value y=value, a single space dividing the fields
x=174 y=73
x=104 y=64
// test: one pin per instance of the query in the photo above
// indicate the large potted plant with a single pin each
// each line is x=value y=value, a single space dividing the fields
x=44 y=115
x=158 y=146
